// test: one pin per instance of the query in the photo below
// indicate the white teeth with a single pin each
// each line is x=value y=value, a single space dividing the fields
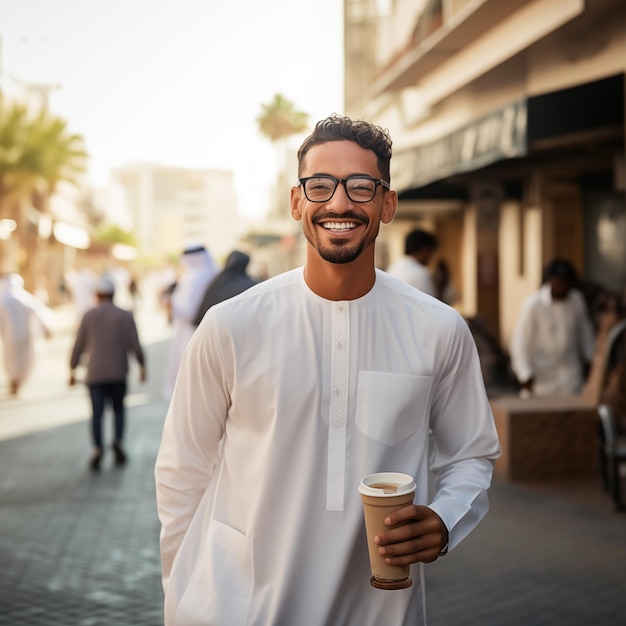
x=339 y=225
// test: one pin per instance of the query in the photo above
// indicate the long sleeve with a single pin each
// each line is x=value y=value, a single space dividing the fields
x=80 y=344
x=465 y=438
x=134 y=345
x=584 y=327
x=520 y=344
x=189 y=447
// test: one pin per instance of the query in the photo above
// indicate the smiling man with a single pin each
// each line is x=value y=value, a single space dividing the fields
x=291 y=392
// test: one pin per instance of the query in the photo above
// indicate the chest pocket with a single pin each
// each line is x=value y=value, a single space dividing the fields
x=391 y=407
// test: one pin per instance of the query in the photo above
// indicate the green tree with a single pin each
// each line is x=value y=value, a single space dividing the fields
x=112 y=234
x=17 y=179
x=37 y=152
x=57 y=153
x=278 y=121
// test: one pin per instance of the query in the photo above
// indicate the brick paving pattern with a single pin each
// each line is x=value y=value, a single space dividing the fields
x=79 y=548
x=545 y=555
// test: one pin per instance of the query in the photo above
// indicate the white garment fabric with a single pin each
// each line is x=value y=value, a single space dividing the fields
x=406 y=268
x=198 y=270
x=22 y=316
x=551 y=341
x=82 y=284
x=284 y=402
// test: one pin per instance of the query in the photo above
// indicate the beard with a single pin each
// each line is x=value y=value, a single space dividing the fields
x=340 y=253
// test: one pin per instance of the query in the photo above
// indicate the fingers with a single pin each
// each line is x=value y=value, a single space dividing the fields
x=413 y=512
x=420 y=550
x=416 y=534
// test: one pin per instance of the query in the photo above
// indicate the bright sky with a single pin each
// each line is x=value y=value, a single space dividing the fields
x=178 y=82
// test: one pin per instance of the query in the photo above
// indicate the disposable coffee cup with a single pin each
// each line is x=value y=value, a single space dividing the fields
x=382 y=494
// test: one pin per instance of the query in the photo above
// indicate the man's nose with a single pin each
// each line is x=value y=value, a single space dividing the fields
x=340 y=197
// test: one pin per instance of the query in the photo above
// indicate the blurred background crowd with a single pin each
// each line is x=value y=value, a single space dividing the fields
x=508 y=122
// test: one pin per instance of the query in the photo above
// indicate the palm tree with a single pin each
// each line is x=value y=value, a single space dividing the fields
x=37 y=152
x=278 y=121
x=59 y=154
x=16 y=177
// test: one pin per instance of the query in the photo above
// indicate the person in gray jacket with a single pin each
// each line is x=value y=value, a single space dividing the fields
x=106 y=335
x=231 y=281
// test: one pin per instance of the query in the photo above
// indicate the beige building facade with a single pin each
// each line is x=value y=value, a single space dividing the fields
x=508 y=128
x=169 y=208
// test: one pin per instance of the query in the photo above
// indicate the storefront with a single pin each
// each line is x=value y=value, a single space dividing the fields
x=540 y=177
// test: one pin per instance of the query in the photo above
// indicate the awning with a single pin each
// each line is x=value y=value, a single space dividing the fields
x=499 y=135
x=510 y=132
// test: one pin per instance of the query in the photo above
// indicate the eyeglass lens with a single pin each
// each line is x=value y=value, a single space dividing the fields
x=321 y=189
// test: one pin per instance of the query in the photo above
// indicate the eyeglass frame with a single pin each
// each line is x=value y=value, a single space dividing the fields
x=343 y=181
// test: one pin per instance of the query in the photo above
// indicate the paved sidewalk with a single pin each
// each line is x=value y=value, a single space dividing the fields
x=78 y=549
x=546 y=555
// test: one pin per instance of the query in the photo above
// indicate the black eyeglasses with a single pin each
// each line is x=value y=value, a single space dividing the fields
x=358 y=188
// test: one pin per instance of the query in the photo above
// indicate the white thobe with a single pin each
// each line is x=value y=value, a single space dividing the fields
x=283 y=402
x=409 y=270
x=21 y=316
x=199 y=271
x=551 y=341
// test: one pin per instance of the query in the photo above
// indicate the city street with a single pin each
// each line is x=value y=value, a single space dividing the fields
x=81 y=549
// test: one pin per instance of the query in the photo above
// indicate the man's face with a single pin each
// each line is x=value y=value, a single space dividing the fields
x=424 y=255
x=559 y=287
x=339 y=229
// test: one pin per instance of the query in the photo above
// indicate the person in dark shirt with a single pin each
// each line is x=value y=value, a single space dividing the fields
x=232 y=280
x=106 y=335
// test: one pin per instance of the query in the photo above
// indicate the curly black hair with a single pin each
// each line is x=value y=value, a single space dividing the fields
x=560 y=268
x=341 y=128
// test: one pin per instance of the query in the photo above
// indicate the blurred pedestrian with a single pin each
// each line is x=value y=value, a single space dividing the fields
x=553 y=339
x=133 y=292
x=166 y=281
x=197 y=270
x=165 y=300
x=444 y=289
x=22 y=317
x=81 y=283
x=232 y=280
x=291 y=392
x=106 y=335
x=412 y=268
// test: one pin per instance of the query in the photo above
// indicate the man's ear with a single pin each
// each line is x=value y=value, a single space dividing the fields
x=390 y=206
x=295 y=200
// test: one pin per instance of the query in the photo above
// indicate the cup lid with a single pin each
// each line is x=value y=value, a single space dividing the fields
x=405 y=483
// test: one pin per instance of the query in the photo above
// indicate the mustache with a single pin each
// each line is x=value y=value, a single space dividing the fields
x=344 y=215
